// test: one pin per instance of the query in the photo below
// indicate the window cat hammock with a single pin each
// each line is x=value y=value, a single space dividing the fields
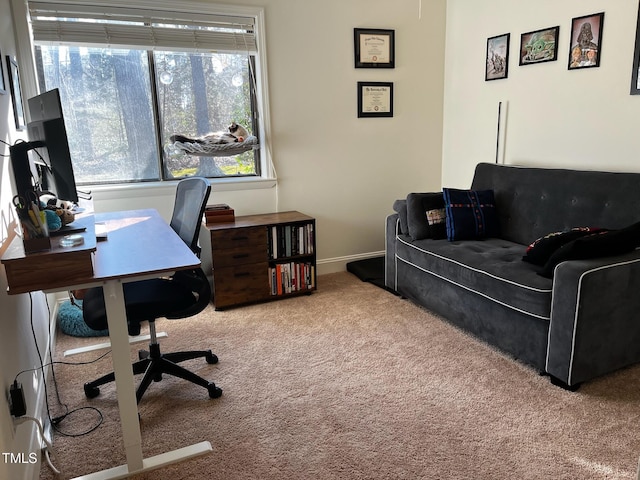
x=207 y=149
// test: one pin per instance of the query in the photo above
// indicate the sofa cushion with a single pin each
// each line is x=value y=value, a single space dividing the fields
x=492 y=268
x=426 y=215
x=602 y=244
x=541 y=249
x=471 y=214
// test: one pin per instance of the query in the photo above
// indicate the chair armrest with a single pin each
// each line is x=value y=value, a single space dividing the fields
x=595 y=317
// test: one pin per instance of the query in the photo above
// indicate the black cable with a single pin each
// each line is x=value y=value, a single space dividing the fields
x=55 y=421
x=6 y=143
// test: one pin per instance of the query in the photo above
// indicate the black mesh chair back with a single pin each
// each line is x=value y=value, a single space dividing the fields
x=191 y=197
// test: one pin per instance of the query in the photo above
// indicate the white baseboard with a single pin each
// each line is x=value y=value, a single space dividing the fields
x=339 y=264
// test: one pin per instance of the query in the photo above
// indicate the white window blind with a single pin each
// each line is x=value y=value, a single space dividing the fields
x=115 y=26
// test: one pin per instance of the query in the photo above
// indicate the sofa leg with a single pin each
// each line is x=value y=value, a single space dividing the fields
x=559 y=383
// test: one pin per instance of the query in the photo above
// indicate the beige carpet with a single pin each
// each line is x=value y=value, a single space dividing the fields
x=355 y=383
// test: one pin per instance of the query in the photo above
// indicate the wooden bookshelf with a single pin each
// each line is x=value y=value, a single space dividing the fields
x=263 y=257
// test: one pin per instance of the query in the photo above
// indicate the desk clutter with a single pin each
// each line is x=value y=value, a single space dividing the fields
x=218 y=213
x=33 y=222
x=41 y=218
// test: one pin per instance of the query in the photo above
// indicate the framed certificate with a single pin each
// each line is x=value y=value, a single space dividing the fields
x=375 y=99
x=374 y=48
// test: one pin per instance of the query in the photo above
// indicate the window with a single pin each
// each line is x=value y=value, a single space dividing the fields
x=131 y=78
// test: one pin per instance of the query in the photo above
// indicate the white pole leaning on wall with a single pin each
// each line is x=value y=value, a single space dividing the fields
x=501 y=131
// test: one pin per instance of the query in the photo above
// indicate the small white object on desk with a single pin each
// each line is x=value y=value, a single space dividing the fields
x=101 y=231
x=72 y=240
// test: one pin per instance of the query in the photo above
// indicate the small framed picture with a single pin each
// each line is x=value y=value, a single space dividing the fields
x=375 y=99
x=374 y=48
x=3 y=88
x=635 y=71
x=497 y=66
x=539 y=46
x=586 y=41
x=16 y=93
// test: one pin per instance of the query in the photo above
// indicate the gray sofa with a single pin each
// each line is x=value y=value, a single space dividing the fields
x=582 y=322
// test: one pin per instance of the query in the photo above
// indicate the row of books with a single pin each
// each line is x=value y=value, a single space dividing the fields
x=290 y=240
x=291 y=277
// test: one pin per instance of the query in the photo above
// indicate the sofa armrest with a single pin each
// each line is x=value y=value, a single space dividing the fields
x=595 y=317
x=392 y=227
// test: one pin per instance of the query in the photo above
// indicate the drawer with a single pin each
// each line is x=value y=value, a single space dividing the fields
x=238 y=237
x=240 y=284
x=239 y=255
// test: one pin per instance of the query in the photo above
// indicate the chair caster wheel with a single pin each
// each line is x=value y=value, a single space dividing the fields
x=91 y=391
x=211 y=358
x=214 y=392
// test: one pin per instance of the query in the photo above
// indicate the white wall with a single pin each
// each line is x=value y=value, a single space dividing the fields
x=343 y=170
x=581 y=118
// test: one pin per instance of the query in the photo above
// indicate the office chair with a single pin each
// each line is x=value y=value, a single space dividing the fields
x=185 y=294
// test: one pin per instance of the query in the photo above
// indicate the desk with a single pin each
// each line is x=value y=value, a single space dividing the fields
x=140 y=245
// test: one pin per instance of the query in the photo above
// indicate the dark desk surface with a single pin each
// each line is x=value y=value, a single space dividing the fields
x=138 y=244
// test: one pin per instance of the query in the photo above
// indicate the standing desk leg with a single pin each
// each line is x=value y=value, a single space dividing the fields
x=127 y=405
x=125 y=387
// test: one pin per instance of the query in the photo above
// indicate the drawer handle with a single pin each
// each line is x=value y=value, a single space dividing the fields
x=242 y=274
x=241 y=255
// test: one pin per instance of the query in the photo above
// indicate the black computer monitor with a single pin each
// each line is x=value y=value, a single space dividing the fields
x=51 y=154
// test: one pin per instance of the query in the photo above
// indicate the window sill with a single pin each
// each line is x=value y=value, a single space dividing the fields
x=145 y=189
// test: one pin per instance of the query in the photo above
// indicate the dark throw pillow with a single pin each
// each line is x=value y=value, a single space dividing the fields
x=426 y=216
x=471 y=214
x=541 y=249
x=603 y=244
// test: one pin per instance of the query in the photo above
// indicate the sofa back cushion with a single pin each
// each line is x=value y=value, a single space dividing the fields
x=531 y=202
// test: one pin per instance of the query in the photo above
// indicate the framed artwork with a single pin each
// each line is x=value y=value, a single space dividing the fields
x=635 y=78
x=3 y=88
x=375 y=99
x=586 y=41
x=374 y=48
x=16 y=93
x=497 y=65
x=539 y=46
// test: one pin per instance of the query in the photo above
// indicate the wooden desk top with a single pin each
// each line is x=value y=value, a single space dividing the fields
x=139 y=243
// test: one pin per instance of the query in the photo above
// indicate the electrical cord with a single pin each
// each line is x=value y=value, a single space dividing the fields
x=56 y=420
x=49 y=451
x=6 y=143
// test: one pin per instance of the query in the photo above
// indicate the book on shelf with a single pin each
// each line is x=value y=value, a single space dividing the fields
x=291 y=277
x=290 y=240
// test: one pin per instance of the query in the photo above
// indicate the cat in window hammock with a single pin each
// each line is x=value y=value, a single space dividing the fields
x=234 y=133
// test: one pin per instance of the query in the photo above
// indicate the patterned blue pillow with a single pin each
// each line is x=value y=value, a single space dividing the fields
x=471 y=214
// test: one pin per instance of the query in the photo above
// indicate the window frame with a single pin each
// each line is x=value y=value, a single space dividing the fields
x=266 y=177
